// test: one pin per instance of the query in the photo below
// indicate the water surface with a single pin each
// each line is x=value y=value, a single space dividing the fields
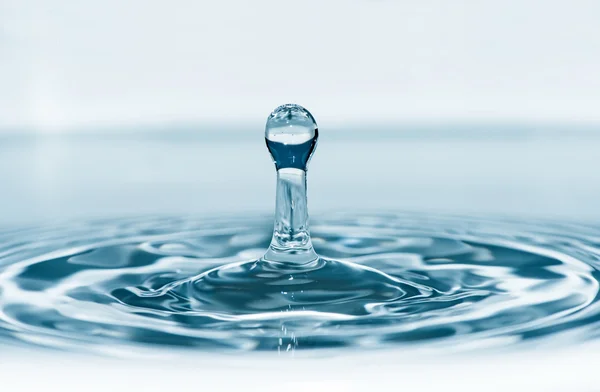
x=395 y=280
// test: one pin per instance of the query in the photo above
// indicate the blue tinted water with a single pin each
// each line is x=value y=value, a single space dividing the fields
x=413 y=279
x=153 y=281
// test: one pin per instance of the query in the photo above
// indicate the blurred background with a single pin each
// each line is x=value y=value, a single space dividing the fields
x=111 y=108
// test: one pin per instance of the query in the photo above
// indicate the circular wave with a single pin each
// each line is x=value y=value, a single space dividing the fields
x=382 y=280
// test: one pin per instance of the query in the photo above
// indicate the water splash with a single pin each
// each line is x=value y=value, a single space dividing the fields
x=290 y=277
x=375 y=280
x=291 y=134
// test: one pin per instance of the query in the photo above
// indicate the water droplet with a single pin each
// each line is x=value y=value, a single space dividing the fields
x=291 y=134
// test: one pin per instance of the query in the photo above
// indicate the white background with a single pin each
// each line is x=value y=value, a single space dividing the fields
x=76 y=65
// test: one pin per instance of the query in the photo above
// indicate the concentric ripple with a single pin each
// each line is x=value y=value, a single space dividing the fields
x=383 y=280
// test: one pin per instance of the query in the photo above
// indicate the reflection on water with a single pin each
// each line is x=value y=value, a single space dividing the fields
x=406 y=279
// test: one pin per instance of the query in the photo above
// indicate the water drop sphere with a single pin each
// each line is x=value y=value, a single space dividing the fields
x=291 y=134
